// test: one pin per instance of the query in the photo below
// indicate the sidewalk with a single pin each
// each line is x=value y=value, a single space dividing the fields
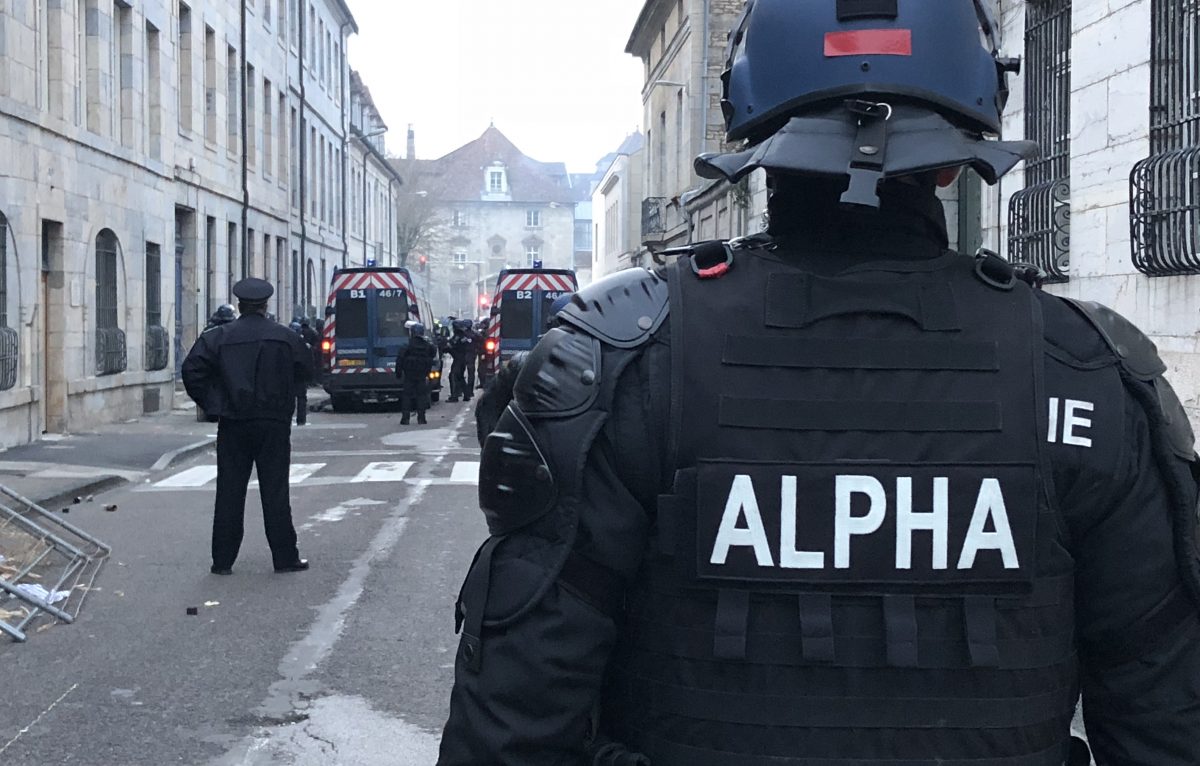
x=55 y=470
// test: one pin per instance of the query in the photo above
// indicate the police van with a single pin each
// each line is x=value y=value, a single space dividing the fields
x=521 y=310
x=364 y=330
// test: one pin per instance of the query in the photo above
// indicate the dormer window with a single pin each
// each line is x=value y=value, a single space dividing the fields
x=496 y=181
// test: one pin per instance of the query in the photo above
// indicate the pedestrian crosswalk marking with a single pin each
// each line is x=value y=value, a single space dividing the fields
x=201 y=477
x=192 y=477
x=383 y=472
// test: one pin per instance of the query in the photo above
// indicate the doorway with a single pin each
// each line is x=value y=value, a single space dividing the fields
x=52 y=370
x=187 y=308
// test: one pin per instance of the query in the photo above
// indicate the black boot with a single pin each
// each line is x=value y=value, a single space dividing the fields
x=421 y=421
x=404 y=420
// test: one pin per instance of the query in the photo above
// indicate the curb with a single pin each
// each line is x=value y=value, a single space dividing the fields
x=170 y=458
x=92 y=487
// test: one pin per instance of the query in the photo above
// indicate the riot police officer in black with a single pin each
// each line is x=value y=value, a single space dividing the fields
x=963 y=503
x=246 y=373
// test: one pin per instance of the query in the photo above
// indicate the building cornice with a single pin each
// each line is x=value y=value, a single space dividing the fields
x=653 y=11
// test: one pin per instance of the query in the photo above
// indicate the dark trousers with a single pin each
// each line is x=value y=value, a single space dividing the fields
x=242 y=445
x=469 y=391
x=301 y=407
x=458 y=380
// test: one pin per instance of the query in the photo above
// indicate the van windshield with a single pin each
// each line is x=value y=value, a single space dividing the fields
x=516 y=314
x=351 y=315
x=391 y=312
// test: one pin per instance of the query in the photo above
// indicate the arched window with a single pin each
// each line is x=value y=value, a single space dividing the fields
x=110 y=340
x=8 y=336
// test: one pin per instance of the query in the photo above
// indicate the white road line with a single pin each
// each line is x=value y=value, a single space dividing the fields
x=383 y=472
x=301 y=471
x=467 y=473
x=197 y=476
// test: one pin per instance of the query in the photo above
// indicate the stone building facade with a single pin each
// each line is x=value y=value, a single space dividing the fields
x=1110 y=209
x=373 y=184
x=617 y=205
x=154 y=154
x=496 y=208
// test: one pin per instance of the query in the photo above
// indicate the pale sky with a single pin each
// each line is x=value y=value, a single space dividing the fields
x=552 y=74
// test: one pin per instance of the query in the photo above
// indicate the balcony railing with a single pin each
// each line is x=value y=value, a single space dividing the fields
x=158 y=348
x=661 y=218
x=111 y=356
x=9 y=352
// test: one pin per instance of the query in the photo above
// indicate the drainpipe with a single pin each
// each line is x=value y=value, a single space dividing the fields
x=704 y=97
x=303 y=161
x=344 y=88
x=245 y=146
x=391 y=223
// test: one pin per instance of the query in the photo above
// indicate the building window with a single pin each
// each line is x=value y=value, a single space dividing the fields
x=282 y=133
x=533 y=253
x=533 y=219
x=153 y=92
x=268 y=131
x=1039 y=215
x=294 y=157
x=495 y=181
x=281 y=20
x=125 y=94
x=210 y=85
x=8 y=336
x=460 y=219
x=231 y=254
x=460 y=257
x=158 y=344
x=232 y=98
x=251 y=117
x=184 y=55
x=1164 y=199
x=110 y=340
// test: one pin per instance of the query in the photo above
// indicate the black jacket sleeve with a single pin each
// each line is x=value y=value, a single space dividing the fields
x=531 y=700
x=1138 y=628
x=200 y=370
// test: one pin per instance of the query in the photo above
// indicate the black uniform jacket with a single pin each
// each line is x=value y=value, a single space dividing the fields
x=414 y=364
x=531 y=702
x=247 y=370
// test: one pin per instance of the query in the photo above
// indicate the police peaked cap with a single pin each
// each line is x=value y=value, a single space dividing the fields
x=253 y=290
x=917 y=85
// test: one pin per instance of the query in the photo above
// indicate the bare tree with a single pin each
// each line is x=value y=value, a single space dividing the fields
x=420 y=227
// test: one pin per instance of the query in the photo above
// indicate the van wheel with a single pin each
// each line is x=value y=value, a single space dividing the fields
x=341 y=402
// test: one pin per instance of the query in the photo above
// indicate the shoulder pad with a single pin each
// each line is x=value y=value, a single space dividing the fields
x=1137 y=353
x=561 y=376
x=623 y=309
x=516 y=486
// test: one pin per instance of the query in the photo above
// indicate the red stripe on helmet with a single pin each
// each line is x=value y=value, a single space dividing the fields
x=869 y=42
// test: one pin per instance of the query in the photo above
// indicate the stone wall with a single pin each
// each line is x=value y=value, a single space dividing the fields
x=1110 y=110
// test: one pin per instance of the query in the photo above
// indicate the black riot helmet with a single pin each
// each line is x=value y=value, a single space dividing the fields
x=869 y=89
x=416 y=330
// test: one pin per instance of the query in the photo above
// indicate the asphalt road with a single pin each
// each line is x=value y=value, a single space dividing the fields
x=348 y=663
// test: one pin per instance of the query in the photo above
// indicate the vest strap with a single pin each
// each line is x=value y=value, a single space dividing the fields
x=471 y=605
x=900 y=623
x=665 y=751
x=816 y=627
x=866 y=713
x=859 y=354
x=733 y=618
x=799 y=300
x=872 y=416
x=980 y=616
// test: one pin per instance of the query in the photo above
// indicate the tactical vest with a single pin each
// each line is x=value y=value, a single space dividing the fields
x=858 y=563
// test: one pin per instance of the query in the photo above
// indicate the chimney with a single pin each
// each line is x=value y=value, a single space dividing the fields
x=412 y=143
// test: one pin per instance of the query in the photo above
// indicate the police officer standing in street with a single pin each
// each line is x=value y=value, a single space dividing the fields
x=964 y=503
x=246 y=373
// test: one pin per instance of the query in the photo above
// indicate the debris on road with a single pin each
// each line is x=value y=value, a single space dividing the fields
x=110 y=508
x=212 y=603
x=193 y=611
x=34 y=590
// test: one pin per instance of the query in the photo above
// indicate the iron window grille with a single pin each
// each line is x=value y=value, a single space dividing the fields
x=9 y=347
x=158 y=342
x=1164 y=188
x=1039 y=216
x=110 y=340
